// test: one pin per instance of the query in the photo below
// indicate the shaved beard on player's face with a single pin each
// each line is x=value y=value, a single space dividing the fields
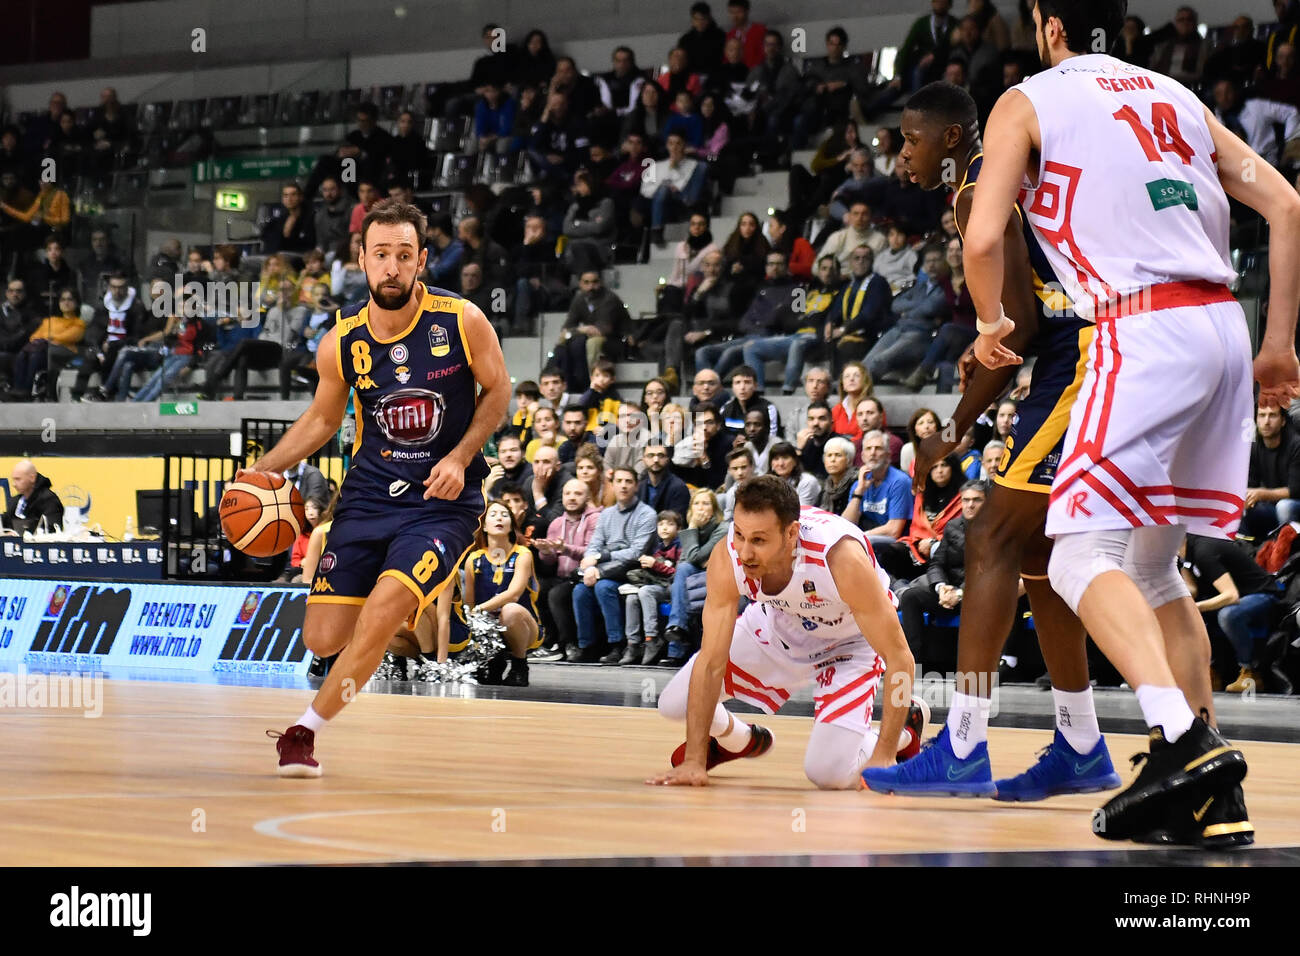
x=923 y=154
x=762 y=545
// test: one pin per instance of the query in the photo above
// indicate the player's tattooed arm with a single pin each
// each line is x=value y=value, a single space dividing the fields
x=1249 y=179
x=710 y=665
x=447 y=478
x=321 y=419
x=877 y=618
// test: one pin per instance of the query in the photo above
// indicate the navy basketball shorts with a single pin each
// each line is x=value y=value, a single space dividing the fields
x=421 y=547
x=1038 y=435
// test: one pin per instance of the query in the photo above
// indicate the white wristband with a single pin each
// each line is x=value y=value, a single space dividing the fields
x=988 y=328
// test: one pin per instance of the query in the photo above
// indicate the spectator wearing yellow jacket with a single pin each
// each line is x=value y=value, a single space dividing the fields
x=51 y=208
x=50 y=347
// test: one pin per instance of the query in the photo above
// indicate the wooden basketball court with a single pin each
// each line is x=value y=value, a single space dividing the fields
x=182 y=774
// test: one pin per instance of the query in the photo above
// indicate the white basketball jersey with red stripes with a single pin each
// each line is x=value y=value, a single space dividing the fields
x=810 y=615
x=1127 y=193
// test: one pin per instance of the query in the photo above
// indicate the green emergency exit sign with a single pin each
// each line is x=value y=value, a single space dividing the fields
x=232 y=200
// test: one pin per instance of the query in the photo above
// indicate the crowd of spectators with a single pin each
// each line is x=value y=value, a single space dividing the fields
x=623 y=503
x=857 y=281
x=606 y=160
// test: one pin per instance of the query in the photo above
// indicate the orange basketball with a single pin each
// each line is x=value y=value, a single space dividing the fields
x=262 y=514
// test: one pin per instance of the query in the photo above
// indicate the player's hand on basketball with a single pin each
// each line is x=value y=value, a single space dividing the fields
x=446 y=480
x=1278 y=374
x=685 y=775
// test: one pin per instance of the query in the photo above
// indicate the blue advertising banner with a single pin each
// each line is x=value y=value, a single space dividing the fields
x=84 y=625
x=142 y=561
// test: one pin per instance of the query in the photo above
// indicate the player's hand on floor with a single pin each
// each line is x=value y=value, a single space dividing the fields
x=446 y=480
x=683 y=776
x=880 y=759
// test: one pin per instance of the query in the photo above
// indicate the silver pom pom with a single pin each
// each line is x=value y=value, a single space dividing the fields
x=487 y=639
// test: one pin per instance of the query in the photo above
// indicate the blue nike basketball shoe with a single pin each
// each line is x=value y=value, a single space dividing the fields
x=936 y=772
x=1060 y=769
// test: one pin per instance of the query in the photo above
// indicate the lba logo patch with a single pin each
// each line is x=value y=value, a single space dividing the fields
x=439 y=343
x=326 y=562
x=398 y=354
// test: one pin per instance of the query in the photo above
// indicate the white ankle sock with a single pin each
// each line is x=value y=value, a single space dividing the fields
x=312 y=720
x=1165 y=707
x=735 y=739
x=968 y=723
x=1076 y=719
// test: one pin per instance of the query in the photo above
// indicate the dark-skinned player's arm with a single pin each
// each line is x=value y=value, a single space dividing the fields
x=1010 y=136
x=877 y=619
x=447 y=478
x=1269 y=194
x=986 y=384
x=710 y=666
x=321 y=419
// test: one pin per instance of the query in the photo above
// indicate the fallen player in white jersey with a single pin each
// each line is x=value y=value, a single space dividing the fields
x=821 y=612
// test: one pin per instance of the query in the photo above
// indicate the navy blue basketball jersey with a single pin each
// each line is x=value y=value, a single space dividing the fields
x=415 y=394
x=1055 y=310
x=491 y=578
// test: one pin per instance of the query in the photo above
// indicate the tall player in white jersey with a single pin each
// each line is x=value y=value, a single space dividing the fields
x=821 y=613
x=1122 y=174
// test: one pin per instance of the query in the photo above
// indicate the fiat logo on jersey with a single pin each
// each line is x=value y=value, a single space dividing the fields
x=398 y=354
x=327 y=562
x=410 y=416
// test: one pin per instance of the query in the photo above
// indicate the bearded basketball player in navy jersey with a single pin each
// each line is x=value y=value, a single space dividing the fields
x=431 y=385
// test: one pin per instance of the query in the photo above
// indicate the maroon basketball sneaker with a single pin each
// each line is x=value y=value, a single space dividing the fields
x=760 y=742
x=918 y=715
x=294 y=747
